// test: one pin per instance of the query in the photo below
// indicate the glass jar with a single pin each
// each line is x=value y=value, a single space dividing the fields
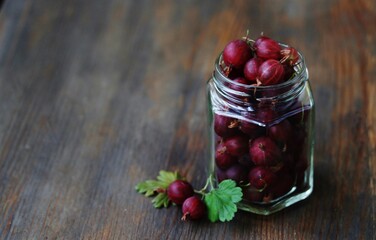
x=262 y=137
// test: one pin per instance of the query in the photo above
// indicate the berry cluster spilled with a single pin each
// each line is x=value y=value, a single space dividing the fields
x=263 y=151
x=218 y=203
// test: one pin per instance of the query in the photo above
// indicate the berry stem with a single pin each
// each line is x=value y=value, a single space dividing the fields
x=247 y=39
x=184 y=218
x=209 y=182
x=200 y=192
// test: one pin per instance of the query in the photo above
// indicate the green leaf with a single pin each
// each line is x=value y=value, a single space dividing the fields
x=161 y=200
x=151 y=187
x=165 y=178
x=221 y=202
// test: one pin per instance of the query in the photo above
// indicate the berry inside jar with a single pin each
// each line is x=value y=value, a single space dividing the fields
x=262 y=120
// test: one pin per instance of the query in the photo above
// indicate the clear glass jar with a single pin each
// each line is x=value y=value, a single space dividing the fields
x=263 y=137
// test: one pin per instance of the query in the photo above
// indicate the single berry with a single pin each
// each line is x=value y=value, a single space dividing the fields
x=280 y=132
x=267 y=48
x=236 y=53
x=222 y=158
x=264 y=152
x=289 y=55
x=270 y=72
x=237 y=145
x=258 y=41
x=225 y=126
x=251 y=69
x=237 y=172
x=179 y=190
x=261 y=177
x=194 y=208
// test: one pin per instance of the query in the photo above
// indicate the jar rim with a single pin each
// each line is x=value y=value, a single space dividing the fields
x=300 y=76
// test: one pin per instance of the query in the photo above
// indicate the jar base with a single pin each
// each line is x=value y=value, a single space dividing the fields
x=285 y=201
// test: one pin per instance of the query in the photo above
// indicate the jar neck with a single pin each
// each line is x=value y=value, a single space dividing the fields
x=244 y=96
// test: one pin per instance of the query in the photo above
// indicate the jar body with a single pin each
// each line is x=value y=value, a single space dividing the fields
x=263 y=139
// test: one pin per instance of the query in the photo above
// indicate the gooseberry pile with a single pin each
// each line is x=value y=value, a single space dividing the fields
x=261 y=62
x=261 y=150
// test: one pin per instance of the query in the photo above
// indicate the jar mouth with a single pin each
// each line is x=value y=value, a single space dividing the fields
x=280 y=91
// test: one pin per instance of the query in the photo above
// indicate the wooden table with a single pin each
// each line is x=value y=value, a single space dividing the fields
x=96 y=96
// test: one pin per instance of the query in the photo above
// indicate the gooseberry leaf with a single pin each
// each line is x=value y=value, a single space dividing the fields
x=148 y=188
x=221 y=201
x=165 y=178
x=161 y=200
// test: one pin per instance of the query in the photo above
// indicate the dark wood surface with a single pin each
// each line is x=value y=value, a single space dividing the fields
x=96 y=96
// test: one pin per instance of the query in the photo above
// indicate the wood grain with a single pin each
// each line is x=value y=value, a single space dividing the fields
x=96 y=96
